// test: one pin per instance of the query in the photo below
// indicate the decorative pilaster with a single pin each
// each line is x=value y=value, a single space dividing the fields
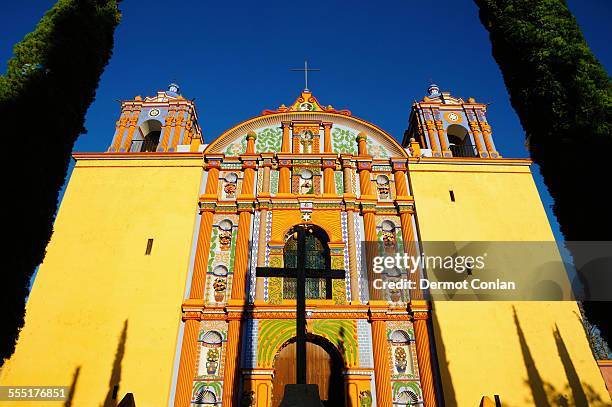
x=186 y=372
x=232 y=358
x=399 y=176
x=181 y=116
x=382 y=373
x=433 y=140
x=284 y=181
x=168 y=125
x=353 y=244
x=421 y=336
x=286 y=146
x=329 y=184
x=239 y=282
x=189 y=348
x=127 y=143
x=121 y=123
x=442 y=137
x=327 y=142
x=482 y=152
x=486 y=134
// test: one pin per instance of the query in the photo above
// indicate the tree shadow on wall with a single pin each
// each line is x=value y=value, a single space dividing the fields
x=443 y=366
x=75 y=379
x=115 y=378
x=544 y=393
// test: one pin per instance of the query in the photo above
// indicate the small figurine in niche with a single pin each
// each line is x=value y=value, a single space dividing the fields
x=212 y=357
x=400 y=360
x=365 y=398
x=225 y=239
x=219 y=286
x=388 y=239
x=229 y=188
x=382 y=185
x=306 y=182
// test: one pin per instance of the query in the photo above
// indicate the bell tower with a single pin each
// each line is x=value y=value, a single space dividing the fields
x=447 y=126
x=166 y=122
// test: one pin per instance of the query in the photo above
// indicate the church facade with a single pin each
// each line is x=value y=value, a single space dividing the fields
x=150 y=282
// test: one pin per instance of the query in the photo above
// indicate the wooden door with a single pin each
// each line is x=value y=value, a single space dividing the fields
x=321 y=369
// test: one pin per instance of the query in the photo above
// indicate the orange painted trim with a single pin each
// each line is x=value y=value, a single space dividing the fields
x=136 y=156
x=476 y=172
x=475 y=160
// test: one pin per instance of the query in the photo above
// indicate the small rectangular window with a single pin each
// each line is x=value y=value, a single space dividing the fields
x=452 y=195
x=116 y=388
x=149 y=247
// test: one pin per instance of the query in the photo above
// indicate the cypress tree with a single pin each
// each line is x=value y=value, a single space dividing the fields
x=563 y=98
x=50 y=82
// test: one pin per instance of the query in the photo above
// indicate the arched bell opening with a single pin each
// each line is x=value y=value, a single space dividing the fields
x=460 y=142
x=146 y=139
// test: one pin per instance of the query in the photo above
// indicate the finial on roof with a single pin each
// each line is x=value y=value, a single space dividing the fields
x=433 y=90
x=173 y=88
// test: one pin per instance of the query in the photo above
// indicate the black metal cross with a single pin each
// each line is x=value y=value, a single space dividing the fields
x=301 y=273
x=306 y=70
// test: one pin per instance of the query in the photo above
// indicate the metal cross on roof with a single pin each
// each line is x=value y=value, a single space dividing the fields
x=305 y=70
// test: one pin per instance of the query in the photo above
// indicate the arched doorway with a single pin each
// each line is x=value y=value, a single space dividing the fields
x=323 y=367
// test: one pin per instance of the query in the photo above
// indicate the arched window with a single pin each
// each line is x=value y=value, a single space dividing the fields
x=316 y=256
x=147 y=137
x=460 y=141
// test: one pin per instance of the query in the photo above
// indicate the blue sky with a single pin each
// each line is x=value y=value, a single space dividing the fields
x=234 y=59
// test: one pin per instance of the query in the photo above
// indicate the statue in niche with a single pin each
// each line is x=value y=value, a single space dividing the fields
x=365 y=398
x=230 y=185
x=401 y=360
x=225 y=239
x=382 y=185
x=306 y=182
x=306 y=140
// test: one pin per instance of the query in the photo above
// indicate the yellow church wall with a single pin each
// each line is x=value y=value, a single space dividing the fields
x=482 y=349
x=101 y=312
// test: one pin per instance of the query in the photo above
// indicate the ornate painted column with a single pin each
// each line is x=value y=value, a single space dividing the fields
x=351 y=209
x=127 y=143
x=284 y=178
x=178 y=123
x=239 y=281
x=327 y=142
x=284 y=173
x=382 y=373
x=419 y=307
x=263 y=222
x=421 y=335
x=433 y=140
x=486 y=134
x=186 y=373
x=476 y=131
x=168 y=125
x=442 y=137
x=286 y=146
x=121 y=123
x=329 y=184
